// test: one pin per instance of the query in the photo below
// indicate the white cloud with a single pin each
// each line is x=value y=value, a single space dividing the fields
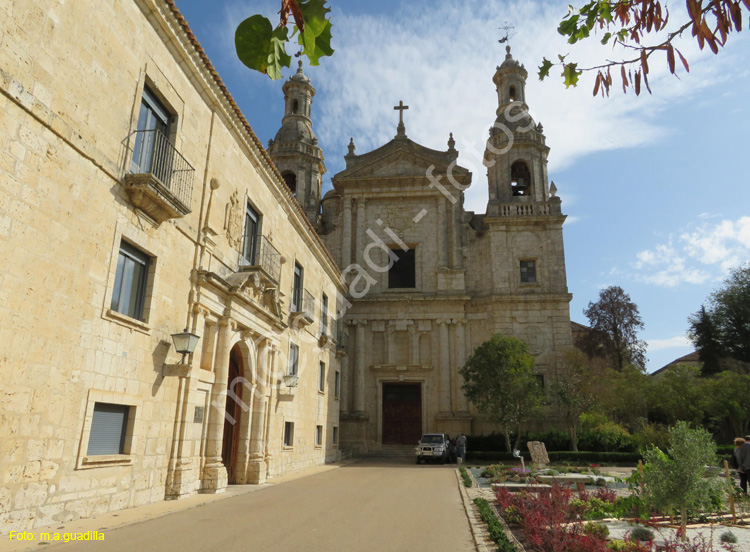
x=702 y=253
x=671 y=343
x=441 y=61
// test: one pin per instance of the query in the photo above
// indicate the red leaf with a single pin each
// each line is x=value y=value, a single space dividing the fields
x=637 y=83
x=297 y=13
x=624 y=80
x=596 y=83
x=670 y=58
x=684 y=61
x=736 y=12
x=644 y=62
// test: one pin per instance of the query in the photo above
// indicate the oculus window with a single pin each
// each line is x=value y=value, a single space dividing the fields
x=129 y=294
x=402 y=273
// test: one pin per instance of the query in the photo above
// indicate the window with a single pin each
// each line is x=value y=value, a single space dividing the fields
x=324 y=315
x=129 y=294
x=335 y=435
x=322 y=377
x=297 y=288
x=288 y=434
x=295 y=106
x=520 y=179
x=252 y=226
x=337 y=385
x=512 y=93
x=540 y=381
x=528 y=272
x=402 y=273
x=291 y=181
x=109 y=426
x=153 y=125
x=293 y=359
x=319 y=436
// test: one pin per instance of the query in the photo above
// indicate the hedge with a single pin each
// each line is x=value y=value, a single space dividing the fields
x=586 y=457
x=495 y=528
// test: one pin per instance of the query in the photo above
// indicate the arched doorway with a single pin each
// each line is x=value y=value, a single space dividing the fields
x=232 y=420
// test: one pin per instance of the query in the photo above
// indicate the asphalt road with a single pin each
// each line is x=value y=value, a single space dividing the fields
x=367 y=506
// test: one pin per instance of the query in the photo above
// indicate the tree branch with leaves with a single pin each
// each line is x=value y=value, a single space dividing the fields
x=628 y=23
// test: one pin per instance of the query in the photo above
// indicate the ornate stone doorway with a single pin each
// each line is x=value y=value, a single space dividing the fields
x=234 y=416
x=402 y=413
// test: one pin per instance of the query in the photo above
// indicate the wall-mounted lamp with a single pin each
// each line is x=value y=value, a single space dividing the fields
x=184 y=343
x=291 y=380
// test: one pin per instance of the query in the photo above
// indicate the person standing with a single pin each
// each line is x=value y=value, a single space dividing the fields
x=742 y=454
x=461 y=444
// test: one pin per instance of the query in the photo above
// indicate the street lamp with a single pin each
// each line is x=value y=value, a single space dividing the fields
x=184 y=343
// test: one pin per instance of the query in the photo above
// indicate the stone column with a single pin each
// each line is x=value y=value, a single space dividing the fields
x=256 y=472
x=214 y=472
x=458 y=252
x=345 y=394
x=359 y=367
x=414 y=342
x=346 y=246
x=390 y=344
x=444 y=368
x=462 y=403
x=360 y=246
x=441 y=234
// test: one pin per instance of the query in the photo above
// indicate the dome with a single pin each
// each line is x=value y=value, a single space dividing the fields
x=294 y=129
x=511 y=64
x=515 y=119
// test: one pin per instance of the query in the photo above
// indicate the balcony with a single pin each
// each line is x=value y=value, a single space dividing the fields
x=303 y=308
x=160 y=182
x=342 y=337
x=259 y=255
x=525 y=209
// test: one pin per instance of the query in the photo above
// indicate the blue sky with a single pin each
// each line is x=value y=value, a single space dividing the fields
x=656 y=188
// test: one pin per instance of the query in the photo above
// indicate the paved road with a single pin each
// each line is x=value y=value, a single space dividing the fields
x=374 y=506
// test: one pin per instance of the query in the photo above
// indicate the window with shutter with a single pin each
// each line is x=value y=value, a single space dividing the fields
x=109 y=427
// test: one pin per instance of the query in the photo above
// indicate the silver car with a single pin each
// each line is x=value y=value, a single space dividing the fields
x=433 y=447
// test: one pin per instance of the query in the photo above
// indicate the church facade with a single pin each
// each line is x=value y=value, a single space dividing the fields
x=429 y=281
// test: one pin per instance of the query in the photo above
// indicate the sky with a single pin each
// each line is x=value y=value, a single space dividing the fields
x=656 y=187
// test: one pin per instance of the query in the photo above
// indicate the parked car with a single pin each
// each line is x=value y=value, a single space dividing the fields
x=433 y=447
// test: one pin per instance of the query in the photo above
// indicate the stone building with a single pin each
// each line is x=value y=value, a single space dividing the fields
x=430 y=281
x=135 y=202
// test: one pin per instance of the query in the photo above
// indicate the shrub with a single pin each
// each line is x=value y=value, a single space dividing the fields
x=466 y=477
x=640 y=533
x=495 y=528
x=596 y=530
x=728 y=537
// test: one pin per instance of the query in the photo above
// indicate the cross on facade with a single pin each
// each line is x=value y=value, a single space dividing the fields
x=400 y=108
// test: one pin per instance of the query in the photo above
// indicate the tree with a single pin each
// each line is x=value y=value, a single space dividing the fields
x=615 y=321
x=628 y=22
x=677 y=395
x=573 y=390
x=725 y=401
x=723 y=328
x=674 y=480
x=499 y=379
x=262 y=47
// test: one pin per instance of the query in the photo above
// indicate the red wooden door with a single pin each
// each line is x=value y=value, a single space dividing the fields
x=402 y=413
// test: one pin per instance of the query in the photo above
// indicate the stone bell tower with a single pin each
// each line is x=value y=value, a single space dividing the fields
x=516 y=153
x=295 y=150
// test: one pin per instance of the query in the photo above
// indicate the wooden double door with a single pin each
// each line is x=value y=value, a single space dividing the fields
x=232 y=421
x=402 y=413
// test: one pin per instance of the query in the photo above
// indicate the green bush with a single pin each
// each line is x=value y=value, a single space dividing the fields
x=466 y=477
x=596 y=530
x=641 y=533
x=728 y=537
x=558 y=456
x=553 y=439
x=495 y=528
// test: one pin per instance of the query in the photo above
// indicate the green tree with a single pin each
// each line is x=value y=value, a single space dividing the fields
x=677 y=395
x=724 y=398
x=630 y=25
x=615 y=322
x=674 y=480
x=723 y=327
x=499 y=379
x=573 y=390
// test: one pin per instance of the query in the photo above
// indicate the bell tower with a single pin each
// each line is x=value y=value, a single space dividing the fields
x=516 y=153
x=295 y=150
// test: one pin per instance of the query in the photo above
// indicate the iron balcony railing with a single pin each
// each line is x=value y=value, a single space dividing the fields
x=259 y=253
x=342 y=337
x=304 y=304
x=154 y=154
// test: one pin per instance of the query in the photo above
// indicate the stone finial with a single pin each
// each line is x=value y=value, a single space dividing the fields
x=451 y=143
x=351 y=146
x=270 y=143
x=507 y=52
x=553 y=189
x=539 y=127
x=299 y=66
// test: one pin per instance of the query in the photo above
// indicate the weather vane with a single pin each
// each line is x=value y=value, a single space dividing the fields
x=507 y=30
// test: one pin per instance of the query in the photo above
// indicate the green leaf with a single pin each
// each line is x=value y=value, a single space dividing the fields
x=314 y=13
x=570 y=74
x=568 y=26
x=606 y=38
x=544 y=68
x=261 y=47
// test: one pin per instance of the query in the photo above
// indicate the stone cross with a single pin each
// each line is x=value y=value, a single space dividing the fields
x=538 y=454
x=400 y=108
